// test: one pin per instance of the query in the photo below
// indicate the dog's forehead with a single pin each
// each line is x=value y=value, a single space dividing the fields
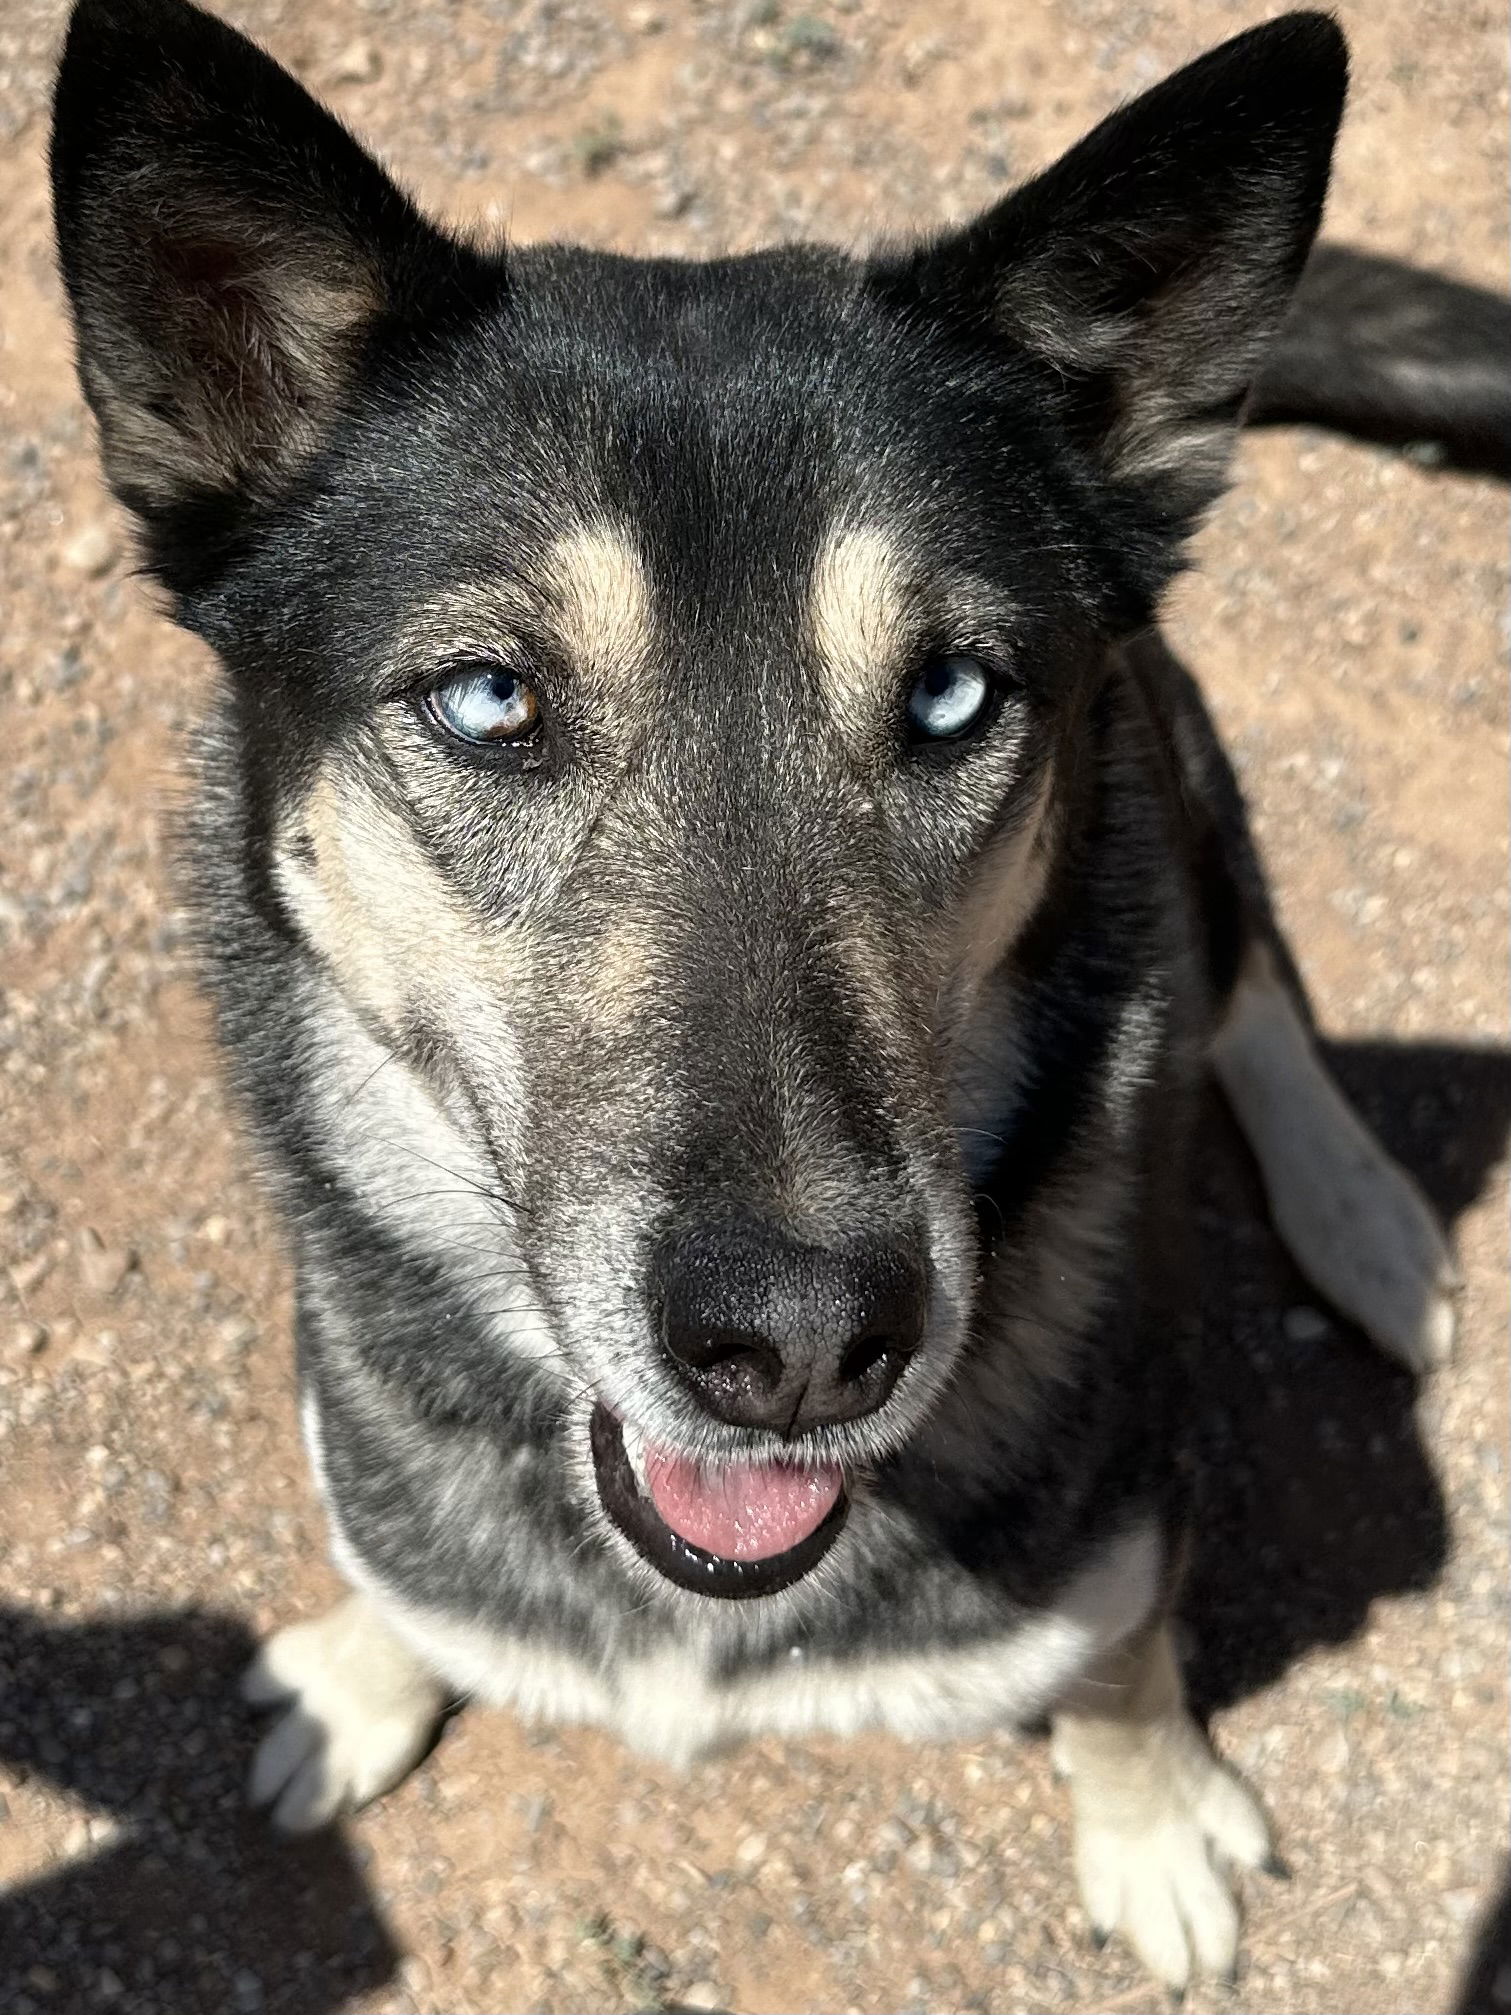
x=849 y=614
x=721 y=471
x=725 y=413
x=731 y=411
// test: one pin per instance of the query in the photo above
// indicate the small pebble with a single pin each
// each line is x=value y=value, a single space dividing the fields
x=235 y=1335
x=358 y=63
x=103 y=1268
x=30 y=1273
x=1304 y=1325
x=92 y=550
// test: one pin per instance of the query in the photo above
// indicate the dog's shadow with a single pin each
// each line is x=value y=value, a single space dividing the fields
x=183 y=1900
x=1319 y=1498
x=1317 y=1493
x=1486 y=1988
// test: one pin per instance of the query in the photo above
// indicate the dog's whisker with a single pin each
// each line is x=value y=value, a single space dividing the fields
x=488 y=1194
x=429 y=1195
x=368 y=1080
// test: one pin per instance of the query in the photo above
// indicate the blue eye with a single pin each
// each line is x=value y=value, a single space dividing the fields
x=949 y=697
x=485 y=705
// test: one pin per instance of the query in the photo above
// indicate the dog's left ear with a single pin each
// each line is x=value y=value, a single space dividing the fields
x=1150 y=266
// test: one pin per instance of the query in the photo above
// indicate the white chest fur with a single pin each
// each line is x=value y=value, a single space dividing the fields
x=671 y=1706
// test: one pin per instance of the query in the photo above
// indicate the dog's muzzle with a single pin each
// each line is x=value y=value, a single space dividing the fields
x=767 y=1333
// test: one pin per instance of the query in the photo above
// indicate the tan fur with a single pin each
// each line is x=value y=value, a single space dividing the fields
x=369 y=900
x=621 y=976
x=593 y=594
x=1005 y=891
x=601 y=601
x=398 y=940
x=362 y=888
x=858 y=612
x=1156 y=1814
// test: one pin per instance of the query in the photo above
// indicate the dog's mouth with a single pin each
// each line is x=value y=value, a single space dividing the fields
x=745 y=1529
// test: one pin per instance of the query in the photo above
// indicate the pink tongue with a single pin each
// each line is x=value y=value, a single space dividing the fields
x=749 y=1511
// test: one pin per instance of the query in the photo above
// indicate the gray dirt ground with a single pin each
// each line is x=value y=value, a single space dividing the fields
x=1349 y=1603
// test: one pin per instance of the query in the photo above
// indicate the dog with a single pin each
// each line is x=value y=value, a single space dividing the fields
x=720 y=906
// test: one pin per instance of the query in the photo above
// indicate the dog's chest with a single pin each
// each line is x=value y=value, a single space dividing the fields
x=675 y=1704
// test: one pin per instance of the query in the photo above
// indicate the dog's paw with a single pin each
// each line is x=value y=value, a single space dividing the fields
x=359 y=1712
x=1154 y=1856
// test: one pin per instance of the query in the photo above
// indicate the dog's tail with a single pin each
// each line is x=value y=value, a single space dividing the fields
x=1397 y=355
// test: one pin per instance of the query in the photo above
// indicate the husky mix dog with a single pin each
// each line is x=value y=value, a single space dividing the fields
x=719 y=906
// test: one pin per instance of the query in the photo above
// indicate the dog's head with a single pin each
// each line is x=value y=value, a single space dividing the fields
x=651 y=687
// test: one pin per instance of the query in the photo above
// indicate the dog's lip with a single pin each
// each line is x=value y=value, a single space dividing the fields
x=688 y=1566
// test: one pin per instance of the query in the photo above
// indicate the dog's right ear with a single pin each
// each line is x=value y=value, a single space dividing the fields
x=229 y=250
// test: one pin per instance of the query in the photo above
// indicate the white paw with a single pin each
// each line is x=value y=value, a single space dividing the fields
x=361 y=1712
x=1153 y=1855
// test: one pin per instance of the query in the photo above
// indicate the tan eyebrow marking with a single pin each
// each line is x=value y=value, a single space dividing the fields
x=591 y=589
x=601 y=601
x=860 y=611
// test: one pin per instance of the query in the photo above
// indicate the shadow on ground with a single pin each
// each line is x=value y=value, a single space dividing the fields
x=1319 y=1498
x=1317 y=1493
x=193 y=1905
x=1487 y=1979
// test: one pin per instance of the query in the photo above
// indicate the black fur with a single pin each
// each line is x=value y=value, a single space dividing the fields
x=1394 y=355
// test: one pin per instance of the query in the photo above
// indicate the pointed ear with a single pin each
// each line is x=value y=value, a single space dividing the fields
x=1150 y=266
x=228 y=250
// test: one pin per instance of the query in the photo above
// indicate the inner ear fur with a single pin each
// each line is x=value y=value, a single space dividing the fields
x=228 y=250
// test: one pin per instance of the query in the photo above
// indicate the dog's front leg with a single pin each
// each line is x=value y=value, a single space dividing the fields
x=1354 y=1222
x=1159 y=1821
x=360 y=1710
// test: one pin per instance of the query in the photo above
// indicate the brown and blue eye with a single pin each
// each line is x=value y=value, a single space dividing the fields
x=949 y=697
x=486 y=705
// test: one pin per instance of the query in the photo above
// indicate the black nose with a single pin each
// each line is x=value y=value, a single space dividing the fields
x=770 y=1333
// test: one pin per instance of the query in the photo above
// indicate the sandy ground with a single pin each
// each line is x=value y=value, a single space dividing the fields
x=1348 y=1608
